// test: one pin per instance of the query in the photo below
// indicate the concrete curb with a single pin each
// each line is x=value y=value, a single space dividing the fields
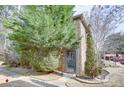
x=93 y=81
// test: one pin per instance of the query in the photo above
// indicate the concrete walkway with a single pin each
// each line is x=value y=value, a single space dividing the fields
x=18 y=80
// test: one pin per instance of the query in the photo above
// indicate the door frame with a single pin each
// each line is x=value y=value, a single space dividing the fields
x=66 y=63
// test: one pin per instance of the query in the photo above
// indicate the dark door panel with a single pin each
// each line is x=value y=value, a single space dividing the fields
x=71 y=61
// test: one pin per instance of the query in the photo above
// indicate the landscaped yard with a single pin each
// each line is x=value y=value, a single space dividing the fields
x=57 y=46
x=26 y=77
x=116 y=80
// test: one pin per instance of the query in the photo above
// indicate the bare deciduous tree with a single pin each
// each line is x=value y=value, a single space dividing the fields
x=104 y=20
x=6 y=11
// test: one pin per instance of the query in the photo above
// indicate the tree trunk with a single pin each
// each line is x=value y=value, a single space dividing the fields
x=61 y=60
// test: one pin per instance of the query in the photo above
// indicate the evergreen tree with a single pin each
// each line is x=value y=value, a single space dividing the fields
x=39 y=32
x=91 y=69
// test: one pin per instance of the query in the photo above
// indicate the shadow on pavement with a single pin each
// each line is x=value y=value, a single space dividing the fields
x=43 y=83
x=8 y=73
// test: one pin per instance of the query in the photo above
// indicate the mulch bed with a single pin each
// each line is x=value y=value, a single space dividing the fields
x=102 y=76
x=99 y=79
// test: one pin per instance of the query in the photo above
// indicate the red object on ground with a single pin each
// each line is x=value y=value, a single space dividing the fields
x=121 y=60
x=7 y=80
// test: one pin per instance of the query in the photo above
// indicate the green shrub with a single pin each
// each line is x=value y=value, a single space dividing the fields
x=24 y=61
x=44 y=63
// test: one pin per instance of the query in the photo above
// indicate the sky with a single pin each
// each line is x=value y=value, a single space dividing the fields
x=82 y=9
x=87 y=8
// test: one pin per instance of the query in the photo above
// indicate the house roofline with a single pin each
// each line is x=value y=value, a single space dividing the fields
x=83 y=20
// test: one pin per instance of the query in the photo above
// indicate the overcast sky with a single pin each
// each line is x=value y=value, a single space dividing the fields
x=82 y=9
x=87 y=8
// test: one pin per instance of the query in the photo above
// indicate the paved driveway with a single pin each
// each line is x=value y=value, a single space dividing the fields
x=17 y=80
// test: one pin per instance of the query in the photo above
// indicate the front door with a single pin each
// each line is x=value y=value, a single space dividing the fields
x=71 y=61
